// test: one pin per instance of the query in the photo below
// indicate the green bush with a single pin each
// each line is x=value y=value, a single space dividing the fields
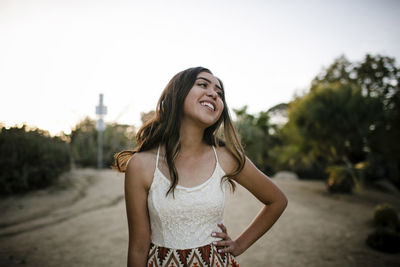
x=385 y=240
x=385 y=215
x=30 y=159
x=340 y=179
x=386 y=236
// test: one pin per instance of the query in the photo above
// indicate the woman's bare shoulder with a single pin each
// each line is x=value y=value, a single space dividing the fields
x=226 y=159
x=141 y=167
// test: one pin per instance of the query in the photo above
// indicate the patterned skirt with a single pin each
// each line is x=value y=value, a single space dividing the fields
x=196 y=257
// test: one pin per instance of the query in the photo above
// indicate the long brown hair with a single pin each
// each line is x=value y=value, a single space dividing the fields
x=164 y=127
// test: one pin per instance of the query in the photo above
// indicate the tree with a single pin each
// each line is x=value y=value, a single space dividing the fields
x=83 y=138
x=84 y=143
x=117 y=137
x=351 y=114
x=379 y=78
x=145 y=116
x=254 y=134
x=291 y=151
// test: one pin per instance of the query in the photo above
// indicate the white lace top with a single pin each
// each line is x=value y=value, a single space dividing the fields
x=188 y=220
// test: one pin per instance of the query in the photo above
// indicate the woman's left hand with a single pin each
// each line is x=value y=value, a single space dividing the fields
x=226 y=244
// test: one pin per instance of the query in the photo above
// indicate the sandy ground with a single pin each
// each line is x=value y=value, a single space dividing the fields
x=81 y=222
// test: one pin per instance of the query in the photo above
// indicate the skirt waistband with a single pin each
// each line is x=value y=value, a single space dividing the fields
x=201 y=256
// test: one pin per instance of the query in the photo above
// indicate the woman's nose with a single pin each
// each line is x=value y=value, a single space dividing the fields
x=212 y=93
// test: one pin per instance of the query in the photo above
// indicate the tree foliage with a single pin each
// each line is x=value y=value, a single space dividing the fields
x=30 y=159
x=253 y=138
x=116 y=137
x=258 y=135
x=350 y=116
x=349 y=120
x=335 y=121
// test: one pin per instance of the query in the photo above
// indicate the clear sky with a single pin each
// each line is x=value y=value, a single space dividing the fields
x=57 y=56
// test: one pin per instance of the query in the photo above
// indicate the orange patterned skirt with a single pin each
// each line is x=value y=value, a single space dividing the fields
x=195 y=257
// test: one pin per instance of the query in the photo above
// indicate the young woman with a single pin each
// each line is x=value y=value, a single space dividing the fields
x=176 y=179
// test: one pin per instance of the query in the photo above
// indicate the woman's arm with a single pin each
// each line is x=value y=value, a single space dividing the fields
x=262 y=187
x=136 y=188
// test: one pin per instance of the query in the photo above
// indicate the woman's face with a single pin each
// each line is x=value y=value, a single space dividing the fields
x=204 y=104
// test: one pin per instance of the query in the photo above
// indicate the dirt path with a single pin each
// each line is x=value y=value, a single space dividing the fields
x=85 y=225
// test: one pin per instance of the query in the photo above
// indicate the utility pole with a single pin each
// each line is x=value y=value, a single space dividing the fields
x=101 y=111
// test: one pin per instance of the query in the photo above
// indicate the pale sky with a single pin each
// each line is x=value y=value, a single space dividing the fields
x=57 y=56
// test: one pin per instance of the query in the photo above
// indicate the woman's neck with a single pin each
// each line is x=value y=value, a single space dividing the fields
x=191 y=139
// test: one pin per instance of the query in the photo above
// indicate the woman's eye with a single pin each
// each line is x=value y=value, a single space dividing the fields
x=204 y=85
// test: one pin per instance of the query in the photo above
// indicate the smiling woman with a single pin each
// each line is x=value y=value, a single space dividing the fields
x=177 y=177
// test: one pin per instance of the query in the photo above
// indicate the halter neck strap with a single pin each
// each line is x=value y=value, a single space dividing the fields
x=158 y=155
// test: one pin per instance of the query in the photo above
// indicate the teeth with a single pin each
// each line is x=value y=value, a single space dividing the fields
x=207 y=104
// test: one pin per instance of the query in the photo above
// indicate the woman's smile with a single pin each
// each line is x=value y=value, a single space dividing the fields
x=209 y=105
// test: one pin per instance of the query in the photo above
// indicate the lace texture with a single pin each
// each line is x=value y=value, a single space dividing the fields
x=187 y=220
